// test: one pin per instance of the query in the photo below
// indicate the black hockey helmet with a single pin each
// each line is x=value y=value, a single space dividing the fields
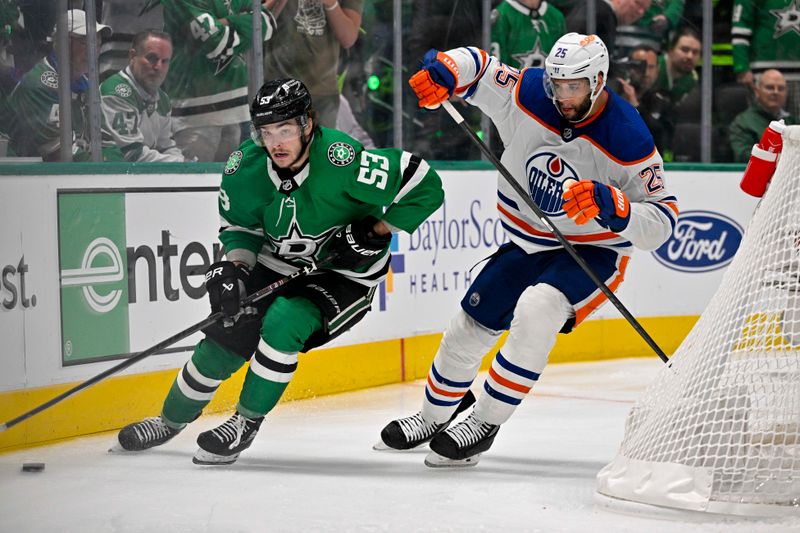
x=279 y=100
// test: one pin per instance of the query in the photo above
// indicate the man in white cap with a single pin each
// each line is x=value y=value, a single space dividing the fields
x=35 y=98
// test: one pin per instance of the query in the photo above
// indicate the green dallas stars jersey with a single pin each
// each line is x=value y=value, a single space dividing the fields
x=286 y=223
x=207 y=80
x=522 y=37
x=34 y=101
x=766 y=34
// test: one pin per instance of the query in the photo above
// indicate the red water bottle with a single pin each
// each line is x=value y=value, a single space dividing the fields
x=763 y=160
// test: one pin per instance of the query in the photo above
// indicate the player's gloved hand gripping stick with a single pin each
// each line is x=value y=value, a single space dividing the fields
x=436 y=82
x=226 y=308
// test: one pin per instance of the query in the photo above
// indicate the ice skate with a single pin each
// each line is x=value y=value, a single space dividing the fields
x=462 y=444
x=143 y=435
x=410 y=432
x=223 y=444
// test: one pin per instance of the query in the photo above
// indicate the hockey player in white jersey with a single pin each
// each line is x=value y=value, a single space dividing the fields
x=588 y=161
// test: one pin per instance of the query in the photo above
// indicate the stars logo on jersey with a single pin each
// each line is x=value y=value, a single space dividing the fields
x=341 y=154
x=788 y=19
x=546 y=172
x=532 y=58
x=297 y=245
x=50 y=79
x=234 y=160
x=123 y=90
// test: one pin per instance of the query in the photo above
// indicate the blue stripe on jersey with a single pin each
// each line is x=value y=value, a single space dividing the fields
x=499 y=395
x=440 y=403
x=518 y=370
x=508 y=201
x=448 y=382
x=636 y=143
x=478 y=73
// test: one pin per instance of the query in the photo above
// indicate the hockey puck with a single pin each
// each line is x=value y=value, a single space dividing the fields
x=33 y=467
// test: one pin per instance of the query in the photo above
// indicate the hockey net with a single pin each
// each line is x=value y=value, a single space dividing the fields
x=719 y=428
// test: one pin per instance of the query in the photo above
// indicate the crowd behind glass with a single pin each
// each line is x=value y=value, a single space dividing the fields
x=174 y=78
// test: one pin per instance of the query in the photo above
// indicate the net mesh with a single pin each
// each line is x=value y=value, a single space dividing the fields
x=728 y=404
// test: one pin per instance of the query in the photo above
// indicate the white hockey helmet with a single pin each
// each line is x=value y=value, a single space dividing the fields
x=576 y=56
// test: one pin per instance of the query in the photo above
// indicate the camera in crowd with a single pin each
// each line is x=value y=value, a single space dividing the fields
x=631 y=70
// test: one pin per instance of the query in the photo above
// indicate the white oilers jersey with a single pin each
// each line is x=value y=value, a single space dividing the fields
x=542 y=150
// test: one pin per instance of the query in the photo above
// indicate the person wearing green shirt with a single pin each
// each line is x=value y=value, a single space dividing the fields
x=523 y=31
x=294 y=195
x=34 y=100
x=749 y=125
x=677 y=76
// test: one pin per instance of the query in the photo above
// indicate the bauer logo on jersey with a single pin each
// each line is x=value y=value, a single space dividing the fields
x=702 y=241
x=123 y=90
x=234 y=160
x=546 y=173
x=341 y=154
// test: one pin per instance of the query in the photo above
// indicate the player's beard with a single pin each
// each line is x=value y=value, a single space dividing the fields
x=582 y=110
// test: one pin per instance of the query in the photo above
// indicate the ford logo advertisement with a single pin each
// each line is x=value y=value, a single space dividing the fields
x=702 y=241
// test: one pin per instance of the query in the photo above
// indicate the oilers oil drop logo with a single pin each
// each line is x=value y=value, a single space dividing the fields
x=546 y=172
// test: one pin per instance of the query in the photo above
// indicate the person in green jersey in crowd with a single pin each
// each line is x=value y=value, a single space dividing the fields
x=523 y=31
x=34 y=100
x=137 y=113
x=291 y=196
x=677 y=74
x=207 y=81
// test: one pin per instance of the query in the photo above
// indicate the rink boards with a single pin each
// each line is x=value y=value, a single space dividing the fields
x=102 y=261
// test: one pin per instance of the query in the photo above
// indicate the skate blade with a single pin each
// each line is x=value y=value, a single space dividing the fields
x=203 y=457
x=434 y=460
x=380 y=446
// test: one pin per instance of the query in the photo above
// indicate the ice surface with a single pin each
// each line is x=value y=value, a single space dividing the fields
x=312 y=469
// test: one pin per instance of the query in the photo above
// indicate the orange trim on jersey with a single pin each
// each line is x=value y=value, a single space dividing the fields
x=671 y=205
x=508 y=383
x=594 y=303
x=575 y=238
x=442 y=392
x=485 y=63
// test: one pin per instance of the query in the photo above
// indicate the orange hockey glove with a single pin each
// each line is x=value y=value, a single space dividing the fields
x=587 y=199
x=436 y=81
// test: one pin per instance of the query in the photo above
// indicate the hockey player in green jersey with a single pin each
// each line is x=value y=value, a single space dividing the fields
x=293 y=195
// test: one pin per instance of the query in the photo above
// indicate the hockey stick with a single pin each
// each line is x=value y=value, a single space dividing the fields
x=252 y=298
x=456 y=116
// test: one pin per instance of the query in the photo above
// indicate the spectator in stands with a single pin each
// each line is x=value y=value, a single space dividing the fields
x=677 y=76
x=308 y=45
x=653 y=28
x=610 y=14
x=9 y=25
x=748 y=126
x=636 y=74
x=208 y=75
x=137 y=113
x=35 y=98
x=523 y=31
x=766 y=33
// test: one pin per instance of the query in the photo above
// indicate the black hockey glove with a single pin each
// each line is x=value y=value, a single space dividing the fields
x=356 y=244
x=225 y=283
